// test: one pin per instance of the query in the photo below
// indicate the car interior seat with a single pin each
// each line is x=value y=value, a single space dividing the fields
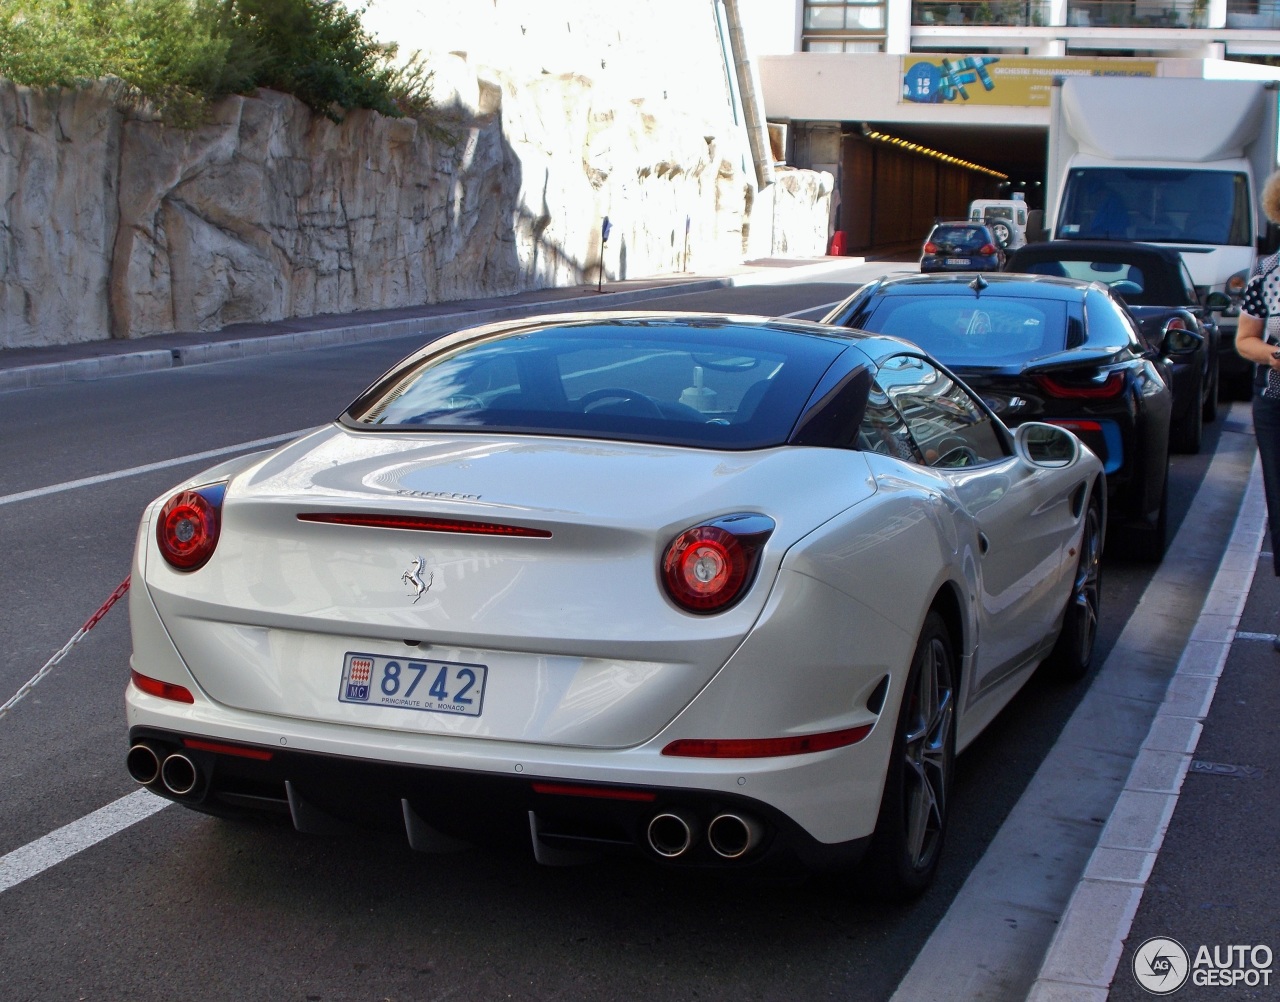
x=1110 y=221
x=751 y=400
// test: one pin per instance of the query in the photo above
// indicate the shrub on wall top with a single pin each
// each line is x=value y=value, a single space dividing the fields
x=181 y=54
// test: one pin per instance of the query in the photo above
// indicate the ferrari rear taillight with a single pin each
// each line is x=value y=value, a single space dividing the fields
x=1099 y=388
x=188 y=526
x=710 y=566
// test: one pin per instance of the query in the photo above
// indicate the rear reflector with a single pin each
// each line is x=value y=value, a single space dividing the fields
x=1076 y=426
x=218 y=748
x=598 y=792
x=766 y=747
x=422 y=523
x=165 y=690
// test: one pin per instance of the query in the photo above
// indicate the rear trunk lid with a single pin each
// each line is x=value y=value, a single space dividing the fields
x=568 y=632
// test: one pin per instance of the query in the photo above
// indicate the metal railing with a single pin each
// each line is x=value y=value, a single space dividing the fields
x=1138 y=13
x=1088 y=13
x=1000 y=13
x=1264 y=16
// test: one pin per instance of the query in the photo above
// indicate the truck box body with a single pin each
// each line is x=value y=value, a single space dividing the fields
x=1165 y=160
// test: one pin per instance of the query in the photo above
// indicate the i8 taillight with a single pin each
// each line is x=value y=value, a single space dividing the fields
x=1099 y=388
x=188 y=526
x=710 y=566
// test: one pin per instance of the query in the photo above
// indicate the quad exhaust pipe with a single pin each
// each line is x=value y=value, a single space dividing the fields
x=671 y=834
x=176 y=772
x=732 y=836
x=179 y=775
x=143 y=764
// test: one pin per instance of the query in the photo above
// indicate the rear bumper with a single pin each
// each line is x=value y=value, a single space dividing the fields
x=442 y=809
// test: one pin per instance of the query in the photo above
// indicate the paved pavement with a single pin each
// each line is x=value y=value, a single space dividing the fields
x=1189 y=852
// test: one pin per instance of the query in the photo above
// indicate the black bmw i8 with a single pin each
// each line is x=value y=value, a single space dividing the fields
x=1058 y=350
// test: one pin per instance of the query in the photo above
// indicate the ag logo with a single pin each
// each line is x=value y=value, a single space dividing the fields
x=1161 y=965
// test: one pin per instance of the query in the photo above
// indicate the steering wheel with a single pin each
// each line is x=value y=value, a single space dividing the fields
x=1002 y=233
x=463 y=402
x=979 y=323
x=648 y=405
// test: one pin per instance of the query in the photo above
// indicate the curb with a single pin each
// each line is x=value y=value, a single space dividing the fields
x=1088 y=945
x=132 y=363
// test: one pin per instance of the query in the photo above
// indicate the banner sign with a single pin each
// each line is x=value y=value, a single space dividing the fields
x=1008 y=80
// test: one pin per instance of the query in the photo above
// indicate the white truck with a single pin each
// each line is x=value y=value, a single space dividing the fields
x=1177 y=161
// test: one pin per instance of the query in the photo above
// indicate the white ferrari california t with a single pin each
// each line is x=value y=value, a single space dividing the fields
x=721 y=590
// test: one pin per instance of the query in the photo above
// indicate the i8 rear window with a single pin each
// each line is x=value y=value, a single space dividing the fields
x=979 y=330
x=705 y=382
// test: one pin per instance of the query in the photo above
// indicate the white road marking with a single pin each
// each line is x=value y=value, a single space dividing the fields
x=50 y=850
x=134 y=471
x=813 y=309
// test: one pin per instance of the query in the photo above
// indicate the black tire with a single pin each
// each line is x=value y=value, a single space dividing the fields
x=1209 y=412
x=1187 y=434
x=1148 y=542
x=1073 y=653
x=904 y=851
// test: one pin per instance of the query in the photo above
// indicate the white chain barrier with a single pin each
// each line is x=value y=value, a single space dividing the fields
x=66 y=648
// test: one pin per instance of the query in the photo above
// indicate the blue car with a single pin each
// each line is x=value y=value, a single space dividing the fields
x=961 y=246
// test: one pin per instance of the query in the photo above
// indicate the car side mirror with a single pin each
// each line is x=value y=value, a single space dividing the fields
x=1218 y=301
x=1046 y=445
x=1179 y=342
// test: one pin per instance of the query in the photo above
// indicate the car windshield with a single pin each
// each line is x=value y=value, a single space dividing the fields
x=960 y=237
x=985 y=331
x=1164 y=205
x=703 y=383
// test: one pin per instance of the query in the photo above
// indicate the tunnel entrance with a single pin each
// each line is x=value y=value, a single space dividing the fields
x=895 y=179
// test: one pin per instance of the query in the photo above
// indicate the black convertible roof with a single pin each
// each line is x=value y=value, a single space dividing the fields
x=1093 y=250
x=1161 y=281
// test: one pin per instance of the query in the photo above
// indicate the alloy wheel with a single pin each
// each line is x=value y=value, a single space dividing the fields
x=927 y=753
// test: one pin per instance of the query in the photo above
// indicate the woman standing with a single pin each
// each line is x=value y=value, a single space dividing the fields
x=1258 y=340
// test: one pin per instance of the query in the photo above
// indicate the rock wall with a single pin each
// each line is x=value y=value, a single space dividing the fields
x=114 y=225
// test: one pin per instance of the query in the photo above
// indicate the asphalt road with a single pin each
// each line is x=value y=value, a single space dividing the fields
x=184 y=906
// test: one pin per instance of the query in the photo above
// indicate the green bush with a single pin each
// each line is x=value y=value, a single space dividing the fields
x=181 y=54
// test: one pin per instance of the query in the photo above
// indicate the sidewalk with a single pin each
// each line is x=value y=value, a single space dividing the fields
x=22 y=368
x=1189 y=852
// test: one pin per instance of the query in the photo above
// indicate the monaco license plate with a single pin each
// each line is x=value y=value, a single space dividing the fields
x=413 y=684
x=958 y=260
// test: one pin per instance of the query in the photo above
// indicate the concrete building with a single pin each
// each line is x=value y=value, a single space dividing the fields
x=919 y=106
